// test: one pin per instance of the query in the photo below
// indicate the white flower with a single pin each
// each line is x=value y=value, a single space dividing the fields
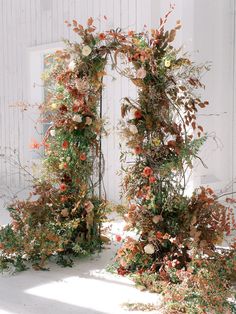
x=72 y=65
x=167 y=63
x=157 y=219
x=77 y=118
x=54 y=105
x=141 y=73
x=68 y=158
x=86 y=51
x=52 y=132
x=88 y=121
x=61 y=166
x=133 y=129
x=149 y=249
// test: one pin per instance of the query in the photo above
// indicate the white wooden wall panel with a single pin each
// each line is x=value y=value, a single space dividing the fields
x=207 y=27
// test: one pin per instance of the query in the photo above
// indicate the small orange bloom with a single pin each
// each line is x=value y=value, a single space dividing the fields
x=102 y=36
x=159 y=235
x=83 y=157
x=34 y=144
x=147 y=172
x=65 y=144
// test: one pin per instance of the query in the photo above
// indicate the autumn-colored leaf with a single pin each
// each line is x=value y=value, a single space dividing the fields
x=90 y=21
x=172 y=35
x=75 y=23
x=193 y=125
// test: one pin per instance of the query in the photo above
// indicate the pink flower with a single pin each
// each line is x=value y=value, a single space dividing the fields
x=138 y=150
x=152 y=179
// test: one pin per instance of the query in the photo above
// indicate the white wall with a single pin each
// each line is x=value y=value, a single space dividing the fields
x=207 y=27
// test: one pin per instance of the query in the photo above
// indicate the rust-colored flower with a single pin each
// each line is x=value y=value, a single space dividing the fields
x=159 y=235
x=65 y=145
x=147 y=172
x=83 y=157
x=137 y=114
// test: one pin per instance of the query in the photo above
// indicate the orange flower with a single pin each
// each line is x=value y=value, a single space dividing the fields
x=34 y=144
x=159 y=235
x=147 y=171
x=102 y=36
x=63 y=187
x=65 y=144
x=138 y=150
x=83 y=157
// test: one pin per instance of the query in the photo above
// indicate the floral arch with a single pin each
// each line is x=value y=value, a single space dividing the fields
x=162 y=134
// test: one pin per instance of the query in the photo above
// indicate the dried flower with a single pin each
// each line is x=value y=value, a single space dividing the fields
x=88 y=206
x=138 y=150
x=83 y=157
x=133 y=129
x=63 y=187
x=137 y=114
x=88 y=121
x=54 y=106
x=65 y=144
x=152 y=179
x=72 y=65
x=118 y=237
x=52 y=132
x=156 y=219
x=149 y=249
x=86 y=51
x=141 y=73
x=77 y=118
x=147 y=171
x=65 y=212
x=167 y=63
x=34 y=144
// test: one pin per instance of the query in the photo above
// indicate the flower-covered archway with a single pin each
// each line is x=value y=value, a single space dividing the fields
x=176 y=234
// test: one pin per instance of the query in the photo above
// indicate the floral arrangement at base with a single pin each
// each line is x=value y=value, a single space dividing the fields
x=175 y=250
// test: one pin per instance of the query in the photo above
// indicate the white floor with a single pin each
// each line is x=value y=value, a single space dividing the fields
x=84 y=289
